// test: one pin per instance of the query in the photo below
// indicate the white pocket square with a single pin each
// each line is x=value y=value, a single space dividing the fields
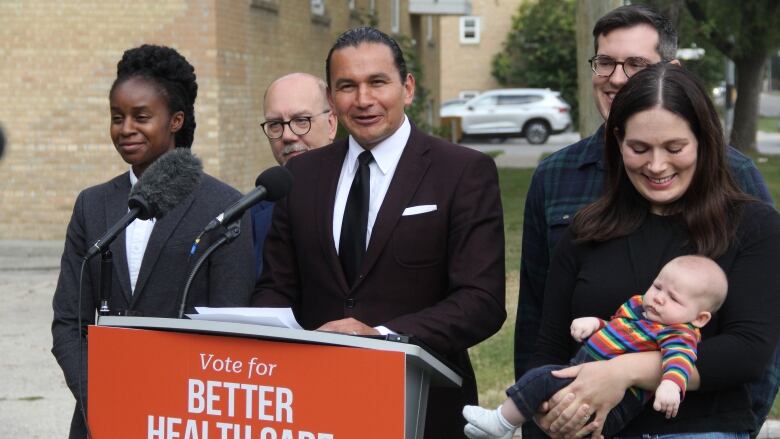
x=416 y=210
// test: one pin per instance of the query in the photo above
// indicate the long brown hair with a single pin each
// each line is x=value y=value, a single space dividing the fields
x=709 y=208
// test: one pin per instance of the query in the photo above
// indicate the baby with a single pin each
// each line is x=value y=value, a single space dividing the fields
x=667 y=318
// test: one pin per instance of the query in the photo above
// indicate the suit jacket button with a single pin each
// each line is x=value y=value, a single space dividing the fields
x=349 y=303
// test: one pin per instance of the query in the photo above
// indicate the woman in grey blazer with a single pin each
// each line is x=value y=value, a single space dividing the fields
x=152 y=112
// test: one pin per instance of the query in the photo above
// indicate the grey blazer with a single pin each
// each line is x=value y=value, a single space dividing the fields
x=226 y=280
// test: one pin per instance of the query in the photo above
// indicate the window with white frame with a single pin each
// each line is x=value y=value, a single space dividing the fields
x=317 y=7
x=429 y=28
x=395 y=16
x=351 y=5
x=372 y=6
x=469 y=30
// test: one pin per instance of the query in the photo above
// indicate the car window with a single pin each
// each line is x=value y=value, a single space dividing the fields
x=453 y=102
x=484 y=101
x=518 y=99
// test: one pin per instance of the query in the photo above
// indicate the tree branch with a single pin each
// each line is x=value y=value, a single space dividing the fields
x=716 y=38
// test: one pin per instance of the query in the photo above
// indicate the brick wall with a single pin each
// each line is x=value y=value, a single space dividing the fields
x=57 y=63
x=58 y=60
x=496 y=21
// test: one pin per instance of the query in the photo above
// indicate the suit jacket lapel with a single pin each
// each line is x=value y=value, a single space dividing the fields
x=116 y=207
x=412 y=165
x=328 y=179
x=162 y=231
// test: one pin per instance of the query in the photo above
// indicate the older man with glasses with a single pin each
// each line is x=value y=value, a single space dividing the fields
x=297 y=118
x=633 y=37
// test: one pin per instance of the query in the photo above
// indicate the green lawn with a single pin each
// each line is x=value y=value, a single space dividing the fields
x=769 y=165
x=492 y=359
x=769 y=124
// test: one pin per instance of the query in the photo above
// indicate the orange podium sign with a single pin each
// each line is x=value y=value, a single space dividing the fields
x=164 y=385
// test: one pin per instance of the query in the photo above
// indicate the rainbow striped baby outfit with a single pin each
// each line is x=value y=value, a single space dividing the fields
x=629 y=331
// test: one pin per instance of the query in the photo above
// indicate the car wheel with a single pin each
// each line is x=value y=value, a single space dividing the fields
x=536 y=132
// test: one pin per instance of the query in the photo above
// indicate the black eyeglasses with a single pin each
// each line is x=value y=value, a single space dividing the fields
x=605 y=66
x=299 y=126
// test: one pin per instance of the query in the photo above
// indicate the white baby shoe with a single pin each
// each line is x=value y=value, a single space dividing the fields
x=486 y=424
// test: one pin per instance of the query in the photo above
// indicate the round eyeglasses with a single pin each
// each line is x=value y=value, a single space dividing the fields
x=299 y=126
x=605 y=66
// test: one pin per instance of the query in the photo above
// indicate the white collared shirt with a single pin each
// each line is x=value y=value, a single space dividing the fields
x=386 y=156
x=136 y=237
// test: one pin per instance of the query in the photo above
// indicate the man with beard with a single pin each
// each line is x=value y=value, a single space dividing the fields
x=297 y=118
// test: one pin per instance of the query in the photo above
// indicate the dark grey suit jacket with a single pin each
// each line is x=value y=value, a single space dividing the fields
x=437 y=275
x=225 y=280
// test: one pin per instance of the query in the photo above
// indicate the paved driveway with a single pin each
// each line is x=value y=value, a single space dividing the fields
x=518 y=153
x=34 y=400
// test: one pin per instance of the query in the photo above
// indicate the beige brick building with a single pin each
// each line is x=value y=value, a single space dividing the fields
x=468 y=44
x=58 y=60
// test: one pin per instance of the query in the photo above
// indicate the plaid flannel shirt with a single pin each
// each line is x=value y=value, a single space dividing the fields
x=563 y=183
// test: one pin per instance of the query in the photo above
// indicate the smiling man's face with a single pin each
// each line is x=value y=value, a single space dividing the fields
x=638 y=41
x=367 y=92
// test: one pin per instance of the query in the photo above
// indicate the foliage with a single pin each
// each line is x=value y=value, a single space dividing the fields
x=541 y=50
x=738 y=29
x=709 y=68
x=421 y=106
x=747 y=33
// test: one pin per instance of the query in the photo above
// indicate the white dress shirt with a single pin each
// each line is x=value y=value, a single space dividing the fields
x=136 y=237
x=386 y=156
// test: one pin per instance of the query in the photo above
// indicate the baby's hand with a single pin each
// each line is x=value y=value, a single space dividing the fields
x=584 y=327
x=667 y=398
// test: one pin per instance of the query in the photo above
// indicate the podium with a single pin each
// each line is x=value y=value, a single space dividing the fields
x=171 y=378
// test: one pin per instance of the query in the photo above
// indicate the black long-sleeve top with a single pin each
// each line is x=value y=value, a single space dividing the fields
x=594 y=279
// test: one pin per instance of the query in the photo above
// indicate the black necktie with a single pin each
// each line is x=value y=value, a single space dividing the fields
x=352 y=244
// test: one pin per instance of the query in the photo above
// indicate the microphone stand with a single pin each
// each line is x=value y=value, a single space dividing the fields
x=231 y=232
x=106 y=266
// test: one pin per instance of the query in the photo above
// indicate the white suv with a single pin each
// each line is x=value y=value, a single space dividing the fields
x=533 y=113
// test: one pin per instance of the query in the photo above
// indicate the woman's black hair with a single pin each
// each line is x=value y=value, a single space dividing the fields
x=173 y=76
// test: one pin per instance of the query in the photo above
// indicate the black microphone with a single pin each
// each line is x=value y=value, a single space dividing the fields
x=2 y=141
x=271 y=185
x=164 y=184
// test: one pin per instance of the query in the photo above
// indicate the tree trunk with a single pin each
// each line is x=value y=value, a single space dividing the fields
x=750 y=71
x=588 y=12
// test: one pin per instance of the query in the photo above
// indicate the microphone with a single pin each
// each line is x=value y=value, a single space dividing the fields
x=271 y=185
x=163 y=186
x=2 y=141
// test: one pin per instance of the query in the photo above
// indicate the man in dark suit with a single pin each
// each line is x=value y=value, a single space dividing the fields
x=297 y=118
x=390 y=230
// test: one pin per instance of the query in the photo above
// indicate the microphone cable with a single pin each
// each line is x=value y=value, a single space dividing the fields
x=82 y=341
x=232 y=232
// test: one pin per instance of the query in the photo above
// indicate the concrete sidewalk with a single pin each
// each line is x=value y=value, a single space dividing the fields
x=34 y=400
